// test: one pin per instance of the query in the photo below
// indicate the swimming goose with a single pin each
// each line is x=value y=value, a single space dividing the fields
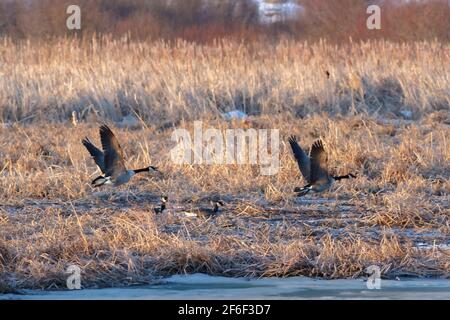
x=314 y=167
x=110 y=160
x=163 y=205
x=206 y=212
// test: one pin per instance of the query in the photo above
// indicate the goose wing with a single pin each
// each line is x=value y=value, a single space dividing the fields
x=112 y=150
x=302 y=158
x=319 y=161
x=96 y=154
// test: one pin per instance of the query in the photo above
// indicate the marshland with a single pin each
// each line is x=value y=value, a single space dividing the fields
x=382 y=109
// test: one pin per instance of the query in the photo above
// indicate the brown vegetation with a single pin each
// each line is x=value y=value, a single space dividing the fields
x=50 y=217
x=206 y=21
x=382 y=109
x=160 y=83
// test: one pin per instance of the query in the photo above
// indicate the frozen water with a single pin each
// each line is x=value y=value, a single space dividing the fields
x=200 y=286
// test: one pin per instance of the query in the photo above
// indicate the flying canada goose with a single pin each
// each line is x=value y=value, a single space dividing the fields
x=314 y=167
x=110 y=160
x=163 y=205
x=206 y=212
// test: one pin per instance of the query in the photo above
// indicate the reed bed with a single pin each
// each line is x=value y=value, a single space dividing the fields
x=160 y=81
x=383 y=112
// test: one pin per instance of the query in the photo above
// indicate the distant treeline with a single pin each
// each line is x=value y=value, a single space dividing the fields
x=206 y=20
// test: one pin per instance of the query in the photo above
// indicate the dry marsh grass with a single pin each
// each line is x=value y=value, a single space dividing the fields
x=395 y=215
x=48 y=80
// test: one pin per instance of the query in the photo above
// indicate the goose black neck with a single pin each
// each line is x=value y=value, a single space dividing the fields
x=216 y=208
x=163 y=207
x=140 y=170
x=347 y=176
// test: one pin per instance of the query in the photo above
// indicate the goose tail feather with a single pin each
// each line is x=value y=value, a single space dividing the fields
x=101 y=180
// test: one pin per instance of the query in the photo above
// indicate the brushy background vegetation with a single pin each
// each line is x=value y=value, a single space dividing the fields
x=205 y=21
x=382 y=107
x=165 y=84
